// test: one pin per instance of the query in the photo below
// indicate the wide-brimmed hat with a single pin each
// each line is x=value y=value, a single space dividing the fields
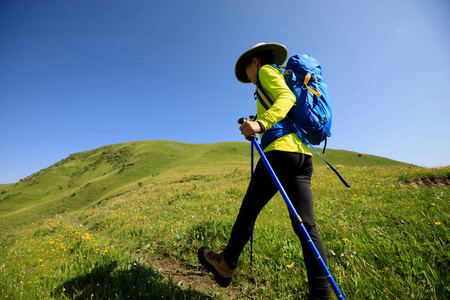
x=279 y=52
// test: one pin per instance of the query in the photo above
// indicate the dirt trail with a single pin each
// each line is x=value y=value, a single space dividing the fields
x=188 y=277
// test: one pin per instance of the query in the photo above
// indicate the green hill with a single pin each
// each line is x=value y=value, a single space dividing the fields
x=95 y=175
x=125 y=222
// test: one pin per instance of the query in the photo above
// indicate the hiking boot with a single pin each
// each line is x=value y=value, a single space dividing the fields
x=216 y=264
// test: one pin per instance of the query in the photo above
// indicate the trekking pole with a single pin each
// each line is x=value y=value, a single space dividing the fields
x=252 y=151
x=294 y=213
x=251 y=237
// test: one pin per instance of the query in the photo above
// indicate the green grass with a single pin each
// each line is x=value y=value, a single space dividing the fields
x=96 y=175
x=386 y=238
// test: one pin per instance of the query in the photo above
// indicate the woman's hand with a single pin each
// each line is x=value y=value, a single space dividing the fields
x=250 y=127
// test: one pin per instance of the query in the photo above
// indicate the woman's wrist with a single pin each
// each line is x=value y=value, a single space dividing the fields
x=263 y=128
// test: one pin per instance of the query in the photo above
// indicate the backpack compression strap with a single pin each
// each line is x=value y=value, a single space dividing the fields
x=306 y=81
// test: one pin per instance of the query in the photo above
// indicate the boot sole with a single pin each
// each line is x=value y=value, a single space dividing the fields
x=221 y=281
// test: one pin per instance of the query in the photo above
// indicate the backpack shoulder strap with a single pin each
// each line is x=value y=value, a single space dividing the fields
x=261 y=95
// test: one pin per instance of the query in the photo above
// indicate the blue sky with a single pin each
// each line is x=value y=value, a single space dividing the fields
x=77 y=75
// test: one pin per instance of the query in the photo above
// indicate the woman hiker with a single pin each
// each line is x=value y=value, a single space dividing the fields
x=292 y=162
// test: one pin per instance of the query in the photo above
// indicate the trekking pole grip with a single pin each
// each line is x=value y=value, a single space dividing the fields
x=250 y=137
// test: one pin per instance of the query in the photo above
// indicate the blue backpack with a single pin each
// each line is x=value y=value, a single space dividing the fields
x=310 y=118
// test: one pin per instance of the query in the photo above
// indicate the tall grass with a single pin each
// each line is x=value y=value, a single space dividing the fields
x=386 y=238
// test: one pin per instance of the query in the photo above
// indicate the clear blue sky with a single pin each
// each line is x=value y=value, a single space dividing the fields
x=77 y=75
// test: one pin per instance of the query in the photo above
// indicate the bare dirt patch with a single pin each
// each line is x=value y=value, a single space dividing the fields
x=432 y=181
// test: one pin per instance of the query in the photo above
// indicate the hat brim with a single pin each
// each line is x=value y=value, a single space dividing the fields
x=279 y=52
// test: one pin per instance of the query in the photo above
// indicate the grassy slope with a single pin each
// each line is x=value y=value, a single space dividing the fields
x=189 y=197
x=98 y=174
x=95 y=175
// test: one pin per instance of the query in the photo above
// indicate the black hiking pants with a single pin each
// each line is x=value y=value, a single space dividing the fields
x=294 y=170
